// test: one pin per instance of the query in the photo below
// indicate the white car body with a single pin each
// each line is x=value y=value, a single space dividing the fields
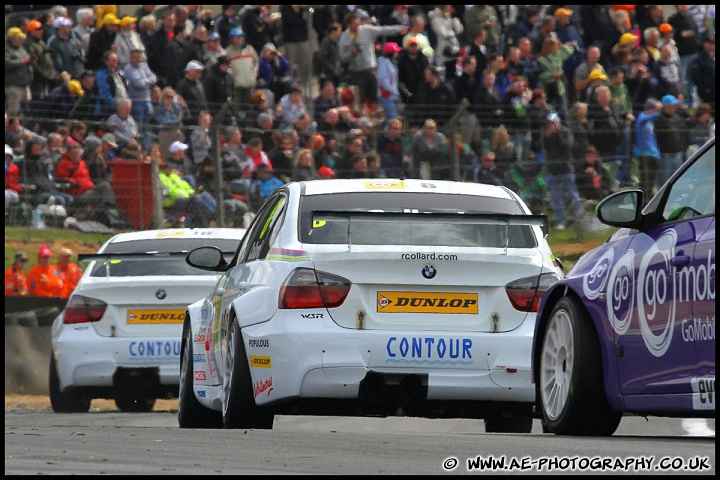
x=425 y=329
x=130 y=349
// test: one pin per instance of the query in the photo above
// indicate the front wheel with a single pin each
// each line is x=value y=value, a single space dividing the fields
x=239 y=409
x=191 y=413
x=65 y=402
x=572 y=394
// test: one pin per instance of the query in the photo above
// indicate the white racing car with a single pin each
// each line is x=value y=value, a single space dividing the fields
x=371 y=297
x=119 y=334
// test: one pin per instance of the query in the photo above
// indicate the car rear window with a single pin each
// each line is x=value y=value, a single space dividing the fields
x=152 y=265
x=384 y=218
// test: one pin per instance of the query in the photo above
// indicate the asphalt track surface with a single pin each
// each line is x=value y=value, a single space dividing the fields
x=41 y=442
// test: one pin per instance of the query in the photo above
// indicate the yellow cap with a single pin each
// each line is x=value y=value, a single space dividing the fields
x=75 y=87
x=627 y=39
x=127 y=21
x=110 y=19
x=597 y=74
x=16 y=32
x=563 y=12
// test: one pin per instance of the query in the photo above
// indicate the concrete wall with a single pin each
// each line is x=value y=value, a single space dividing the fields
x=27 y=360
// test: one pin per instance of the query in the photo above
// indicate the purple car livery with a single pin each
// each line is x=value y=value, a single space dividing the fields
x=631 y=328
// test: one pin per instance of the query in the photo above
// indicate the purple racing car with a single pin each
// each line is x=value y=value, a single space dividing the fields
x=631 y=328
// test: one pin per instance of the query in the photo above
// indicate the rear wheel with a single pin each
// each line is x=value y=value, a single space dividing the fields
x=65 y=402
x=572 y=393
x=192 y=414
x=500 y=424
x=134 y=403
x=239 y=409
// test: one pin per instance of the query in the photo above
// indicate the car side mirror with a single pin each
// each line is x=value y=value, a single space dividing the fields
x=207 y=258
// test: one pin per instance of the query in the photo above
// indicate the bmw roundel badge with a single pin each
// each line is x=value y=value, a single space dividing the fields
x=429 y=271
x=160 y=294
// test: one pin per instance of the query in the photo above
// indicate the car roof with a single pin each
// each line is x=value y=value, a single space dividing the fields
x=320 y=187
x=209 y=233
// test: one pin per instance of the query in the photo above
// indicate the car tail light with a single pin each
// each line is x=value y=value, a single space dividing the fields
x=307 y=288
x=524 y=294
x=84 y=310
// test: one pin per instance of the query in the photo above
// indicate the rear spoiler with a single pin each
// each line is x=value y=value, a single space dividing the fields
x=541 y=221
x=89 y=257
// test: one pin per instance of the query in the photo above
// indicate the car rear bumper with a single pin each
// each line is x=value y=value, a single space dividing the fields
x=292 y=358
x=86 y=359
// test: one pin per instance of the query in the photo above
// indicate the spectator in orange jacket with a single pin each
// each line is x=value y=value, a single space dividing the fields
x=42 y=279
x=68 y=271
x=15 y=283
x=72 y=168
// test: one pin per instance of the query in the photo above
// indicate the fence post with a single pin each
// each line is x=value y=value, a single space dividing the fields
x=218 y=120
x=158 y=217
x=452 y=133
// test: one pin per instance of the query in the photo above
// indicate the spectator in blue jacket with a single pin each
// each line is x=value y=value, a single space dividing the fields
x=646 y=148
x=388 y=92
x=566 y=32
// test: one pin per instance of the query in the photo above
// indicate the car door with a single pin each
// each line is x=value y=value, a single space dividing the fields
x=252 y=251
x=668 y=259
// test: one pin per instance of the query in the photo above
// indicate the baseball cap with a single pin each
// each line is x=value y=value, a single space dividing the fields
x=16 y=32
x=194 y=65
x=391 y=47
x=9 y=150
x=665 y=27
x=75 y=87
x=91 y=142
x=109 y=138
x=177 y=146
x=44 y=251
x=237 y=32
x=214 y=36
x=670 y=100
x=553 y=117
x=563 y=12
x=650 y=103
x=362 y=14
x=627 y=39
x=325 y=172
x=111 y=19
x=597 y=74
x=127 y=21
x=21 y=255
x=62 y=22
x=412 y=41
x=34 y=25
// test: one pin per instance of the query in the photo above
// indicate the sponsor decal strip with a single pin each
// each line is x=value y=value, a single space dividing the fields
x=427 y=302
x=285 y=255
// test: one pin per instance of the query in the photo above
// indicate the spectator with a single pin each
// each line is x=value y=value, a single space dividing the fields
x=303 y=169
x=84 y=27
x=596 y=79
x=593 y=179
x=671 y=139
x=531 y=66
x=15 y=282
x=358 y=167
x=274 y=71
x=427 y=152
x=225 y=24
x=43 y=70
x=292 y=106
x=18 y=71
x=640 y=81
x=434 y=98
x=620 y=24
x=158 y=42
x=174 y=51
x=67 y=51
x=83 y=108
x=296 y=35
x=526 y=179
x=646 y=147
x=357 y=49
x=181 y=198
x=393 y=160
x=128 y=40
x=326 y=100
x=485 y=16
x=195 y=47
x=329 y=63
x=560 y=178
x=212 y=50
x=265 y=183
x=466 y=87
x=496 y=64
x=387 y=74
x=480 y=52
x=68 y=272
x=219 y=86
x=259 y=26
x=192 y=91
x=487 y=171
x=552 y=79
x=38 y=170
x=541 y=32
x=625 y=46
x=255 y=155
x=109 y=146
x=513 y=65
x=668 y=74
x=181 y=163
x=567 y=33
x=701 y=127
x=243 y=68
x=13 y=187
x=651 y=37
x=201 y=140
x=233 y=161
x=580 y=129
x=122 y=125
x=447 y=28
x=411 y=65
x=102 y=40
x=689 y=44
x=489 y=104
x=505 y=150
x=653 y=18
x=140 y=81
x=417 y=33
x=284 y=156
x=168 y=116
x=702 y=71
x=516 y=119
x=667 y=38
x=111 y=85
x=259 y=104
x=146 y=29
x=42 y=279
x=525 y=24
x=581 y=75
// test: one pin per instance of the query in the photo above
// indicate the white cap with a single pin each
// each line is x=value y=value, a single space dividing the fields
x=9 y=150
x=178 y=147
x=194 y=65
x=62 y=22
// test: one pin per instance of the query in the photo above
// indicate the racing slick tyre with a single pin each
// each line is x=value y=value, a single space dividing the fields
x=134 y=403
x=500 y=424
x=239 y=409
x=191 y=414
x=67 y=402
x=571 y=388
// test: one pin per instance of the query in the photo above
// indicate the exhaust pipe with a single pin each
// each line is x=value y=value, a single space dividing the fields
x=410 y=386
x=374 y=385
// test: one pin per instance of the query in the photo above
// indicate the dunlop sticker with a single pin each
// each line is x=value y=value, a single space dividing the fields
x=257 y=361
x=427 y=302
x=155 y=317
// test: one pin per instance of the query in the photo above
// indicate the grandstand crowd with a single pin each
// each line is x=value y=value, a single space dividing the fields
x=563 y=104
